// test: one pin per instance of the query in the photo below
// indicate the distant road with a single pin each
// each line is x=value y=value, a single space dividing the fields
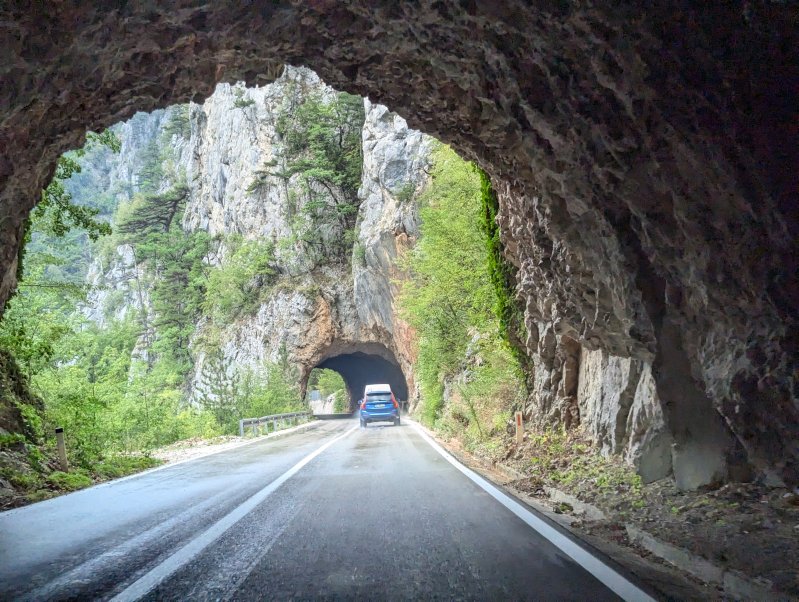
x=331 y=512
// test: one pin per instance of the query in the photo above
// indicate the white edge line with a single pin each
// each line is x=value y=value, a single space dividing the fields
x=164 y=466
x=611 y=578
x=184 y=555
x=239 y=444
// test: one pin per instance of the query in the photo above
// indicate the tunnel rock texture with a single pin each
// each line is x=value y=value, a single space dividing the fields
x=645 y=159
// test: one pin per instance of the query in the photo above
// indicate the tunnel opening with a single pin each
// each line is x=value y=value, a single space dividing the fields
x=359 y=369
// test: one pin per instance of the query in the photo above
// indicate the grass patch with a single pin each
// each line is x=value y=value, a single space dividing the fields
x=120 y=466
x=40 y=495
x=69 y=481
x=34 y=482
x=12 y=440
x=567 y=460
x=21 y=480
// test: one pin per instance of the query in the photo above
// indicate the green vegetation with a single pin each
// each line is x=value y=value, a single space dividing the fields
x=405 y=194
x=69 y=481
x=179 y=122
x=150 y=224
x=239 y=287
x=58 y=217
x=330 y=382
x=119 y=466
x=566 y=460
x=322 y=138
x=56 y=214
x=239 y=101
x=12 y=440
x=450 y=300
x=359 y=254
x=503 y=275
x=273 y=389
x=119 y=388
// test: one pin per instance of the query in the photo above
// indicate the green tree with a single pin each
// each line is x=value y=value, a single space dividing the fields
x=237 y=286
x=55 y=213
x=83 y=384
x=149 y=213
x=151 y=223
x=178 y=123
x=219 y=391
x=330 y=382
x=322 y=138
x=271 y=390
x=327 y=381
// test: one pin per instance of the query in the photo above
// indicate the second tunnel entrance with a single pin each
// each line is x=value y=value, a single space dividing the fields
x=359 y=368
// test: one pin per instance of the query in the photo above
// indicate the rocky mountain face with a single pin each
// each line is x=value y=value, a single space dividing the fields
x=233 y=161
x=319 y=308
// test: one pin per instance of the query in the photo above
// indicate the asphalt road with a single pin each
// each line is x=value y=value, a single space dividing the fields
x=333 y=512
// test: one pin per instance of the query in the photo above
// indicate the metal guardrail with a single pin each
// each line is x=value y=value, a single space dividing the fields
x=257 y=423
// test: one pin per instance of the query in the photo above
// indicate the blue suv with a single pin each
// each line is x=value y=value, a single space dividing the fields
x=379 y=405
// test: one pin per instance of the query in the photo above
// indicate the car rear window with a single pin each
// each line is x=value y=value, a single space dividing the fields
x=378 y=397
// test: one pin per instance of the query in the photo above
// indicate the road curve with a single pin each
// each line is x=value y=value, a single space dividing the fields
x=328 y=513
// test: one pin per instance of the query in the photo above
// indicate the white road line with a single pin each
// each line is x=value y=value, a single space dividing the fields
x=212 y=452
x=149 y=471
x=191 y=550
x=612 y=579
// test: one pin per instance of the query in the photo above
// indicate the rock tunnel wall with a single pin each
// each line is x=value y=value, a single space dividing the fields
x=645 y=162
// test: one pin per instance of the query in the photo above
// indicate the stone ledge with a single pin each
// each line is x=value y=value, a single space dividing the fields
x=733 y=582
x=581 y=508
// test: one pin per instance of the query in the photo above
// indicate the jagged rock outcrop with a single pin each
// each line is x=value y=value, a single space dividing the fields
x=318 y=309
x=394 y=172
x=621 y=411
x=116 y=289
x=645 y=159
x=236 y=159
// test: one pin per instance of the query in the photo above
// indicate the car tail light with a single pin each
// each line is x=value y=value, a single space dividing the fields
x=394 y=401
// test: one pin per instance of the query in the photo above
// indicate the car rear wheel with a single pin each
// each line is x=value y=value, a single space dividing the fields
x=396 y=421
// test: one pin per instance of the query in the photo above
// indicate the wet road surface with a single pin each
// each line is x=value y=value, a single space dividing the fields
x=332 y=512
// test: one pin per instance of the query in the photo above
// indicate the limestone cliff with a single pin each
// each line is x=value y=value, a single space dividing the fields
x=233 y=159
x=318 y=309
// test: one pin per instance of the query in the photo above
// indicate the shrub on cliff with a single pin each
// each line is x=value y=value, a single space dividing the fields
x=450 y=299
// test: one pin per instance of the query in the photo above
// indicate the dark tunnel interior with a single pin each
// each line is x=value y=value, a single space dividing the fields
x=360 y=369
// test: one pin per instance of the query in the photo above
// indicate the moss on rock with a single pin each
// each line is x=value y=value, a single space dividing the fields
x=509 y=309
x=20 y=410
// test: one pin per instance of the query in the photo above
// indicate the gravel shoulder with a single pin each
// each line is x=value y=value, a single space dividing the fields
x=189 y=449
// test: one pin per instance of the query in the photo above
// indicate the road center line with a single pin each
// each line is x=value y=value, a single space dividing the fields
x=611 y=578
x=191 y=550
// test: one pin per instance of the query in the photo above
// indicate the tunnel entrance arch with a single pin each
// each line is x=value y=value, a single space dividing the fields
x=644 y=166
x=360 y=364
